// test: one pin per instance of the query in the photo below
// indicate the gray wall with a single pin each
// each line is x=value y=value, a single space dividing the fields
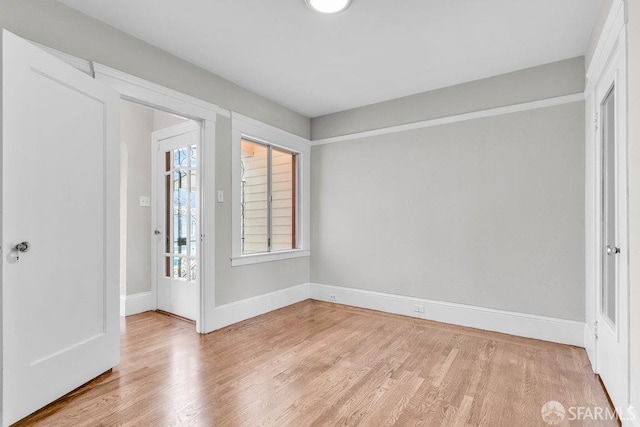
x=241 y=282
x=136 y=124
x=634 y=194
x=53 y=24
x=488 y=212
x=545 y=81
x=163 y=120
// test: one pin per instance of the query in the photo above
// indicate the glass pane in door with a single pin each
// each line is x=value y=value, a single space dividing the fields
x=181 y=213
x=608 y=292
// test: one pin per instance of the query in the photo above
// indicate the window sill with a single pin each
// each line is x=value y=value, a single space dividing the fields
x=268 y=257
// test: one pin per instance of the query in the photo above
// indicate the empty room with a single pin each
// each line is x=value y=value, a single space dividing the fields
x=320 y=212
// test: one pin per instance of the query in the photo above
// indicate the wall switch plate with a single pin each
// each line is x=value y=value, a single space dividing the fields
x=220 y=196
x=145 y=201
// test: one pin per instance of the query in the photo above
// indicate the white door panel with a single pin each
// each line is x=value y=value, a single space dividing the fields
x=60 y=186
x=612 y=290
x=177 y=198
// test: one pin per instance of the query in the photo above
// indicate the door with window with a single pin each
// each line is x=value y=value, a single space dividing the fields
x=612 y=311
x=177 y=230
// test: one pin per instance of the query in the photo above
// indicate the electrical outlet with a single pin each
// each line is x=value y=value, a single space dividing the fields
x=333 y=297
x=418 y=308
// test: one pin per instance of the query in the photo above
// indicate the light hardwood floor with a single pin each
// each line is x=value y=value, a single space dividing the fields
x=316 y=363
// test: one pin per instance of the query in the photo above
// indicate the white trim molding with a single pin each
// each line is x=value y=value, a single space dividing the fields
x=606 y=43
x=242 y=122
x=269 y=257
x=155 y=96
x=590 y=340
x=543 y=103
x=544 y=328
x=136 y=303
x=77 y=63
x=556 y=330
x=237 y=311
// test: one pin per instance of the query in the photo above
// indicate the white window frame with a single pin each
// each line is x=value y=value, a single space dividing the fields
x=253 y=130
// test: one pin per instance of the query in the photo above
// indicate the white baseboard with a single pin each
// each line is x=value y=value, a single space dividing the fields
x=525 y=325
x=238 y=311
x=136 y=303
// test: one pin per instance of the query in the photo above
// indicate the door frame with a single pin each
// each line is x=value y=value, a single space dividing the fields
x=161 y=98
x=609 y=59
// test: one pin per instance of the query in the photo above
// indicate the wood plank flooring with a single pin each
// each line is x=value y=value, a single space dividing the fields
x=323 y=364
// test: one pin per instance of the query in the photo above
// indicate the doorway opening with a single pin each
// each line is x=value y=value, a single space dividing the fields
x=159 y=234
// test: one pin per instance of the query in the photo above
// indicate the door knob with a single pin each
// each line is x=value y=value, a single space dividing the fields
x=612 y=250
x=23 y=247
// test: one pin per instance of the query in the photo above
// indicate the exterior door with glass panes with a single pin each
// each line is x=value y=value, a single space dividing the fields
x=177 y=229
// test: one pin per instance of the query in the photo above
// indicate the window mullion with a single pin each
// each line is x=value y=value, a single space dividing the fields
x=269 y=198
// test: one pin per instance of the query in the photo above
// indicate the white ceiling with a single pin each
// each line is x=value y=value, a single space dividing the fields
x=374 y=51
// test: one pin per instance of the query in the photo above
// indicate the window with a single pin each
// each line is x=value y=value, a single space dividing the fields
x=270 y=193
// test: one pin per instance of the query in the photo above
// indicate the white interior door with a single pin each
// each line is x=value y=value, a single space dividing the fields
x=60 y=154
x=177 y=229
x=612 y=300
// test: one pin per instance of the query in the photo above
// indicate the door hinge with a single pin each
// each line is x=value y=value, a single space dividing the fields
x=269 y=242
x=595 y=329
x=595 y=121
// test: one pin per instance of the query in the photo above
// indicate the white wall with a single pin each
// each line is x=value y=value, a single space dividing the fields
x=486 y=212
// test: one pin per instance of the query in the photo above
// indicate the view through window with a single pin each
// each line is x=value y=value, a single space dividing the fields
x=268 y=198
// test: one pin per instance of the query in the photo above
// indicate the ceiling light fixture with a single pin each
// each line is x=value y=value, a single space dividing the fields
x=328 y=6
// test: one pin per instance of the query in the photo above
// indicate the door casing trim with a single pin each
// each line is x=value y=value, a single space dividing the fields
x=143 y=92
